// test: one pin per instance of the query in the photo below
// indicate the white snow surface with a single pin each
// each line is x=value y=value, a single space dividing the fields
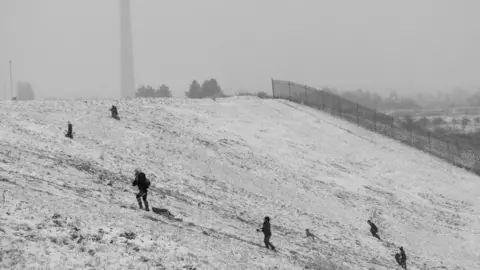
x=222 y=166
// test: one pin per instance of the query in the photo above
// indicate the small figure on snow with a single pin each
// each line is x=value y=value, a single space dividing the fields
x=143 y=184
x=267 y=233
x=403 y=258
x=114 y=112
x=309 y=234
x=373 y=229
x=69 y=133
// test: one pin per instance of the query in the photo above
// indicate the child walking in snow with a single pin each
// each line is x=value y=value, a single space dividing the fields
x=267 y=233
x=69 y=133
x=114 y=111
x=403 y=258
x=143 y=184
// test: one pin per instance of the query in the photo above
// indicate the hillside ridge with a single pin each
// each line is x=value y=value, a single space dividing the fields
x=221 y=166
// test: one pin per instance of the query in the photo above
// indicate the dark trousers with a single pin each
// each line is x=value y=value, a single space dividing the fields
x=374 y=233
x=142 y=195
x=69 y=132
x=266 y=240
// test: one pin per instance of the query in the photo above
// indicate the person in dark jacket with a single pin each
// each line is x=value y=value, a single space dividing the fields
x=114 y=112
x=373 y=229
x=403 y=258
x=267 y=233
x=143 y=184
x=69 y=133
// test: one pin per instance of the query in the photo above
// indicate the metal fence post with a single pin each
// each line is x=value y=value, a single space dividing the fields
x=456 y=150
x=453 y=153
x=392 y=127
x=306 y=95
x=322 y=93
x=331 y=107
x=358 y=119
x=339 y=106
x=429 y=142
x=411 y=133
x=448 y=150
x=289 y=92
x=273 y=89
x=317 y=102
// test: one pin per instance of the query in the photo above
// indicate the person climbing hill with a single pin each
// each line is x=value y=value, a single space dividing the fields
x=69 y=133
x=267 y=233
x=373 y=229
x=143 y=184
x=403 y=258
x=114 y=112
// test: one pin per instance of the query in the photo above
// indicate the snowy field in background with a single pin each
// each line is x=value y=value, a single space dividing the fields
x=222 y=166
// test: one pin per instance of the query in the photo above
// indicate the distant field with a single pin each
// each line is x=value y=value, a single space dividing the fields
x=471 y=111
x=448 y=116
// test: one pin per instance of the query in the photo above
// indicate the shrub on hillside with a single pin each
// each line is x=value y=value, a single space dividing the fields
x=438 y=121
x=407 y=122
x=147 y=91
x=208 y=89
x=477 y=120
x=423 y=122
x=260 y=94
x=454 y=121
x=465 y=122
x=440 y=131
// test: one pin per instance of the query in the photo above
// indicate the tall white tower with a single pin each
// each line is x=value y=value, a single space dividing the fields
x=127 y=79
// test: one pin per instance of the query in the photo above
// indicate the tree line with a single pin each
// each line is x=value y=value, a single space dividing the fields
x=208 y=89
x=147 y=91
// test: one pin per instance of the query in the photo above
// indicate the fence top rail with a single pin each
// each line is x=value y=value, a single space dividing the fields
x=294 y=84
x=280 y=81
x=304 y=86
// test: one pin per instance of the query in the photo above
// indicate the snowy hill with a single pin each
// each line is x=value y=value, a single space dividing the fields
x=221 y=166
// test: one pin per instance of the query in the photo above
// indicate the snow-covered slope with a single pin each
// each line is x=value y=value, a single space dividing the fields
x=222 y=166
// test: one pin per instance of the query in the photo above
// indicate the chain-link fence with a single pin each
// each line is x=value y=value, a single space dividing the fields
x=460 y=152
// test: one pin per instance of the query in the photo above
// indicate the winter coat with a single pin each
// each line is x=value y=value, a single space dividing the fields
x=266 y=228
x=142 y=182
x=404 y=256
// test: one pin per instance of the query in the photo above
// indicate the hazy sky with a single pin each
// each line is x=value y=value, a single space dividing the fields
x=70 y=48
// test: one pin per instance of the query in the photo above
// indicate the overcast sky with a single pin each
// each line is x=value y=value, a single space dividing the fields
x=71 y=48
